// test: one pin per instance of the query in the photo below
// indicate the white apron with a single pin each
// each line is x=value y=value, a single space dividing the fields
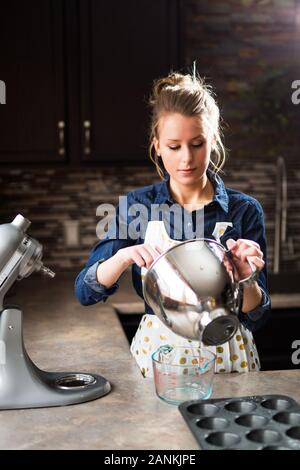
x=237 y=355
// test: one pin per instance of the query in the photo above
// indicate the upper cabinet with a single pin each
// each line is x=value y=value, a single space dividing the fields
x=124 y=46
x=78 y=76
x=32 y=122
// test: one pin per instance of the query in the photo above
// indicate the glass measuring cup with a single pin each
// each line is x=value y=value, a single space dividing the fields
x=185 y=374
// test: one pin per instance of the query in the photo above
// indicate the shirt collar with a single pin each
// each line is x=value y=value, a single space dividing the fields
x=220 y=196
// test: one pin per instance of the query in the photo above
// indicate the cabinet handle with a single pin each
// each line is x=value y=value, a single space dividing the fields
x=87 y=137
x=61 y=137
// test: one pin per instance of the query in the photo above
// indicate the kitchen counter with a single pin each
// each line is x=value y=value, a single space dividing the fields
x=285 y=300
x=60 y=334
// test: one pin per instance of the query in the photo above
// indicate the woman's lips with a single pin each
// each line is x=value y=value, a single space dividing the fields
x=188 y=171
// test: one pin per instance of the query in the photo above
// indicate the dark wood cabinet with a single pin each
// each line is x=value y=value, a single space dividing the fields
x=124 y=46
x=32 y=122
x=78 y=75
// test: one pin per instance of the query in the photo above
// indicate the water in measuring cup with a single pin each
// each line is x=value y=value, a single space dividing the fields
x=180 y=388
x=178 y=381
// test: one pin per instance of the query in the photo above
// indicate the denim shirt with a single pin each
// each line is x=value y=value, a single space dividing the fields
x=243 y=213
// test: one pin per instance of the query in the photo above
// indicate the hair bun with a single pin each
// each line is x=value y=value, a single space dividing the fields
x=171 y=80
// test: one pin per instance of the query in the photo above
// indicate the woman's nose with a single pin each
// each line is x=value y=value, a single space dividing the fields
x=187 y=155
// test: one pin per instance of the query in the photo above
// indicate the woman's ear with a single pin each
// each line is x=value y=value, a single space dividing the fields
x=213 y=141
x=156 y=146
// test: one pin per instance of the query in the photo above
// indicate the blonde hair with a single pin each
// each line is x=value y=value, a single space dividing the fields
x=190 y=96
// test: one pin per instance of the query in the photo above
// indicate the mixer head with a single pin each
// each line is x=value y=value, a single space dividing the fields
x=20 y=255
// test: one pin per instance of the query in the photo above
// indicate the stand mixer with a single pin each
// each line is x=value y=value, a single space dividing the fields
x=22 y=383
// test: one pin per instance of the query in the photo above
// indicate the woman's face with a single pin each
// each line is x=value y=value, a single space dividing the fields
x=184 y=145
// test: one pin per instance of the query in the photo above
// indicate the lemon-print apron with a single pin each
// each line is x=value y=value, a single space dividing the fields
x=237 y=355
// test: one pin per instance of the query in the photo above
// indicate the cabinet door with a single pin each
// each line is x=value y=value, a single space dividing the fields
x=124 y=46
x=31 y=55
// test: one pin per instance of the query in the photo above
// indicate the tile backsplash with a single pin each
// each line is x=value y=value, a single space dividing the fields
x=61 y=203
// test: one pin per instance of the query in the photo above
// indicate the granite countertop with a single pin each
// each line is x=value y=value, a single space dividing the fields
x=285 y=300
x=60 y=334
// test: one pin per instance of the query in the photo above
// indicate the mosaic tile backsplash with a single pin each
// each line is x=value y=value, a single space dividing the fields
x=61 y=204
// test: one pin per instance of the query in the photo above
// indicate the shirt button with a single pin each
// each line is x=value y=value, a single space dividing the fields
x=189 y=224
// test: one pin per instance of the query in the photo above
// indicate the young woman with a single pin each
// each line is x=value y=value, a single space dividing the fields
x=187 y=150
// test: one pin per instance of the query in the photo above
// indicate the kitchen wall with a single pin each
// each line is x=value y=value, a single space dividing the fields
x=249 y=51
x=61 y=204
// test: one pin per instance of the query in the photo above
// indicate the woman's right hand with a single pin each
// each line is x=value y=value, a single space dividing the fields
x=143 y=255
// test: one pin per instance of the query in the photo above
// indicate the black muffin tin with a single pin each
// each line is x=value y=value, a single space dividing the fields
x=261 y=422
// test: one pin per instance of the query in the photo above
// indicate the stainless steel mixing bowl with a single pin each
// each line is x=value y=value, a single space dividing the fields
x=191 y=288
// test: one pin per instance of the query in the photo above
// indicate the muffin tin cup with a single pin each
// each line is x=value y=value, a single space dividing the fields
x=261 y=422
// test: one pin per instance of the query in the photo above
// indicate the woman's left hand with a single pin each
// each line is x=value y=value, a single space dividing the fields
x=245 y=252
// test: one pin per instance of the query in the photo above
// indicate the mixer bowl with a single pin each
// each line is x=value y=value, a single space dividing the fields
x=190 y=287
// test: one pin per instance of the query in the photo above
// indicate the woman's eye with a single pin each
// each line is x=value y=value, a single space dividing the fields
x=198 y=145
x=194 y=145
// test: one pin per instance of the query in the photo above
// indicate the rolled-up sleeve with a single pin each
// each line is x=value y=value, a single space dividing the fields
x=100 y=292
x=253 y=228
x=87 y=289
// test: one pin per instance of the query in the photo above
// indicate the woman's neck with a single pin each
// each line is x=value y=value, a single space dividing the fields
x=196 y=195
